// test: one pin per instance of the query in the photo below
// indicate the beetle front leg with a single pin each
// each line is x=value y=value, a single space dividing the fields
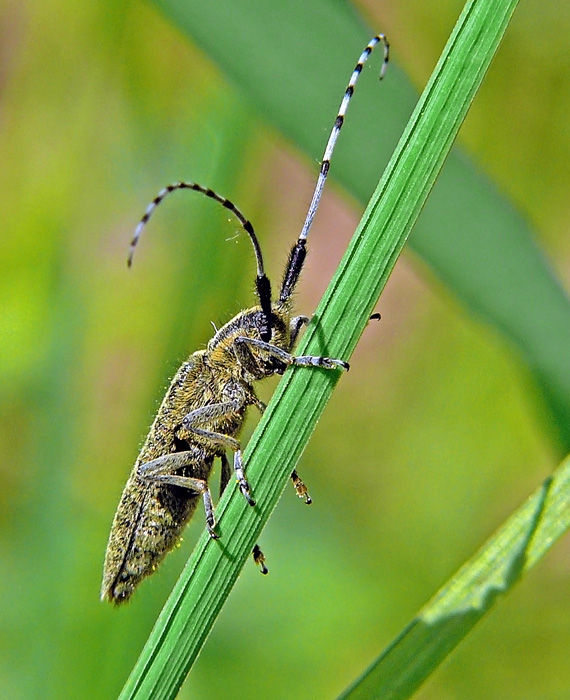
x=286 y=357
x=295 y=326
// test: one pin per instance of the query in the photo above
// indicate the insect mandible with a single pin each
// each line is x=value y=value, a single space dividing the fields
x=204 y=407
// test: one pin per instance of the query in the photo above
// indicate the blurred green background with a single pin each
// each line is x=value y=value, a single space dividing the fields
x=102 y=104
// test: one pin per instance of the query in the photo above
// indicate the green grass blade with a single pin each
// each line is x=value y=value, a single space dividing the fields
x=514 y=549
x=467 y=230
x=342 y=315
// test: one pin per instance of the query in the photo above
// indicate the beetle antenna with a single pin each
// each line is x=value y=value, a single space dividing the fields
x=262 y=284
x=298 y=253
x=246 y=224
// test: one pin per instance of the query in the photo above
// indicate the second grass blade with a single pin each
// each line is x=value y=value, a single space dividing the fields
x=514 y=549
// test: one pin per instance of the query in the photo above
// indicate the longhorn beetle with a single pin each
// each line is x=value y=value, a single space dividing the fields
x=204 y=408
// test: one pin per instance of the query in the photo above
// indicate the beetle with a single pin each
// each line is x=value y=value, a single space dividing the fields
x=203 y=410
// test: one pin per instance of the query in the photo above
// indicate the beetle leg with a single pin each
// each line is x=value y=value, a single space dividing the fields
x=161 y=471
x=240 y=477
x=300 y=487
x=287 y=358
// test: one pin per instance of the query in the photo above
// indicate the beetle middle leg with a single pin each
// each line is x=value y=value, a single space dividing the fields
x=258 y=556
x=162 y=470
x=300 y=488
x=205 y=415
x=298 y=483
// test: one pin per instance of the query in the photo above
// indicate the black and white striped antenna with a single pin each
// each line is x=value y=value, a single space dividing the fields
x=339 y=121
x=298 y=253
